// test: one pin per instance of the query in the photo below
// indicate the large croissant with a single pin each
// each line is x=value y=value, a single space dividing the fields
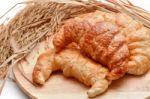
x=73 y=64
x=113 y=39
x=100 y=40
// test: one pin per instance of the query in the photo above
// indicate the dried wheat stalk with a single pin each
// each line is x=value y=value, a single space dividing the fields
x=24 y=30
x=36 y=22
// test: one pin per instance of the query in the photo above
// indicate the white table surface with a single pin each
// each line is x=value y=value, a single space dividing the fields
x=11 y=90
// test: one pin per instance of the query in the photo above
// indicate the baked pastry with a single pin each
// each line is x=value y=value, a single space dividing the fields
x=105 y=47
x=100 y=40
x=113 y=39
x=73 y=64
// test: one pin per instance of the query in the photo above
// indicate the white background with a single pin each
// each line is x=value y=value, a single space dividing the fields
x=11 y=90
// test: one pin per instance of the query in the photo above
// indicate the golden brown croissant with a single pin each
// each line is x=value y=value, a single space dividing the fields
x=100 y=40
x=73 y=64
x=113 y=39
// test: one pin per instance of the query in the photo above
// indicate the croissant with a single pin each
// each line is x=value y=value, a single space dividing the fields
x=99 y=40
x=115 y=40
x=73 y=64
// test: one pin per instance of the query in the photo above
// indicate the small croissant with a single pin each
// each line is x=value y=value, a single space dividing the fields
x=73 y=64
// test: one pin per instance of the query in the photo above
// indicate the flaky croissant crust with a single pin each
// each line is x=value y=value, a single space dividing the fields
x=99 y=40
x=102 y=36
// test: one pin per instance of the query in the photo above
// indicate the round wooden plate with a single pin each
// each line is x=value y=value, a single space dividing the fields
x=60 y=87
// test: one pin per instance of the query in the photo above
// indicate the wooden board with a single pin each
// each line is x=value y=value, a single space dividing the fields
x=59 y=87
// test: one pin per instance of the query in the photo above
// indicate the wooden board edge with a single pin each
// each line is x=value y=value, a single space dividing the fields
x=15 y=72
